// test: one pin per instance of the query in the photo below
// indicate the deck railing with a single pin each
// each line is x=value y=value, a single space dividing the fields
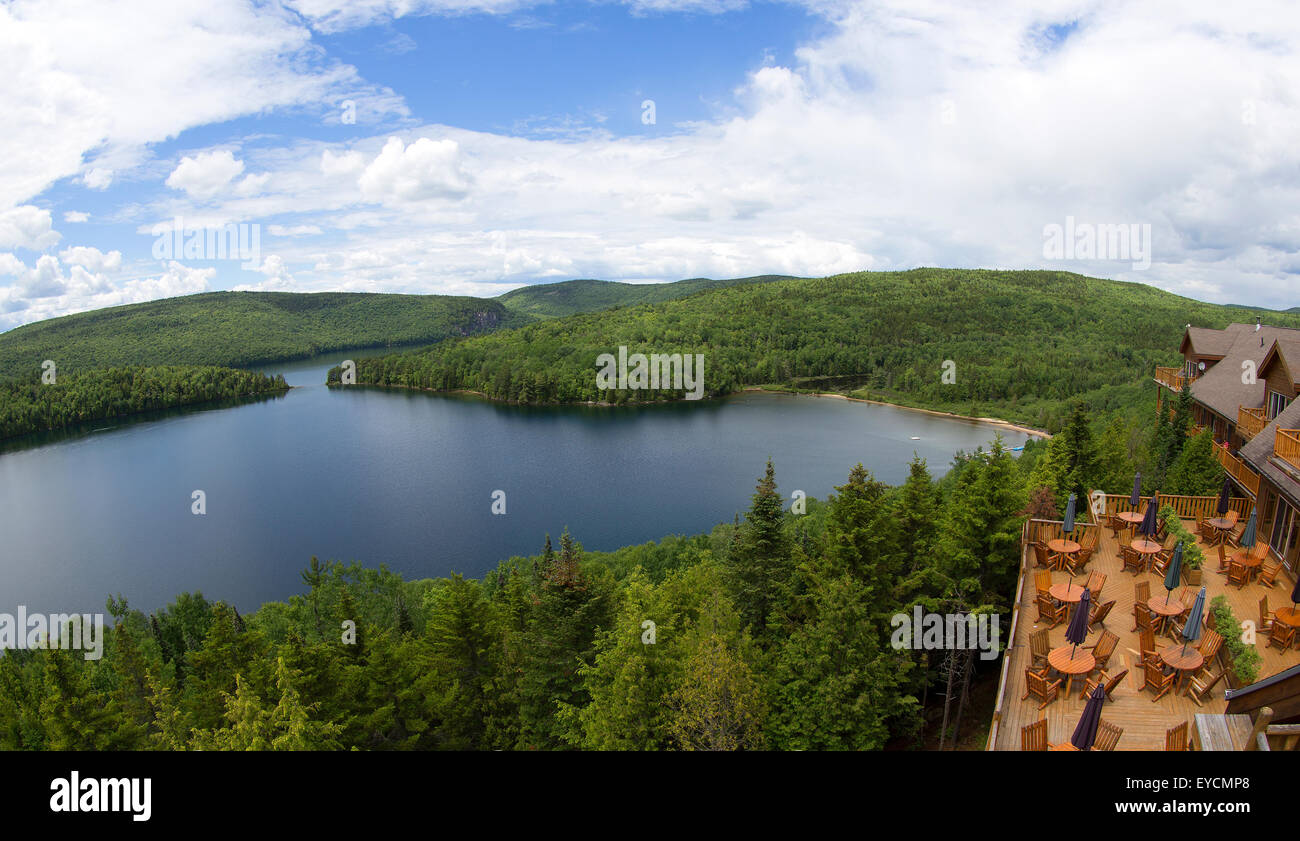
x=1237 y=469
x=1286 y=446
x=1173 y=378
x=1187 y=507
x=1250 y=422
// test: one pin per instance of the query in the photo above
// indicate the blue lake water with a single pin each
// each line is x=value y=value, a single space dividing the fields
x=406 y=479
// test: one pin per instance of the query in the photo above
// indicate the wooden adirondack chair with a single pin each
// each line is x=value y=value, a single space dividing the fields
x=1040 y=647
x=1116 y=525
x=1237 y=574
x=1096 y=581
x=1176 y=737
x=1102 y=680
x=1206 y=531
x=1034 y=736
x=1037 y=684
x=1131 y=558
x=1223 y=559
x=1043 y=580
x=1141 y=593
x=1099 y=613
x=1209 y=647
x=1265 y=615
x=1042 y=555
x=1155 y=679
x=1159 y=563
x=1107 y=736
x=1198 y=687
x=1147 y=645
x=1049 y=610
x=1268 y=574
x=1281 y=634
x=1142 y=620
x=1103 y=648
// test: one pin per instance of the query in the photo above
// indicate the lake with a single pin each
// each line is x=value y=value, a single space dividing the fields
x=406 y=479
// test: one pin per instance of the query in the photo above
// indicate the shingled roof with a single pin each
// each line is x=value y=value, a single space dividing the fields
x=1206 y=341
x=1221 y=387
x=1258 y=453
x=1288 y=353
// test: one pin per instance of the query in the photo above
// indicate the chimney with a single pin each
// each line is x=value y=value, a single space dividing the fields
x=1257 y=325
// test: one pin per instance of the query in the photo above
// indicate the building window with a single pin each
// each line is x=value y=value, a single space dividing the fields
x=1276 y=403
x=1286 y=529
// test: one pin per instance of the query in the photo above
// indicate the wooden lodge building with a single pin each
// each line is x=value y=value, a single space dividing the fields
x=1244 y=380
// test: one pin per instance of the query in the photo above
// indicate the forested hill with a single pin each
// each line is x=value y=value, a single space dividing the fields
x=242 y=328
x=1022 y=343
x=552 y=300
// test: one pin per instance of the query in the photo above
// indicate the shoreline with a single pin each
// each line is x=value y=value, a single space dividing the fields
x=995 y=422
x=998 y=422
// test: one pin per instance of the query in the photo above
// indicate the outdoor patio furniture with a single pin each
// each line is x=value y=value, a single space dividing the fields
x=1050 y=611
x=1141 y=593
x=1281 y=635
x=1096 y=581
x=1103 y=648
x=1107 y=735
x=1155 y=679
x=1042 y=580
x=1039 y=647
x=1042 y=556
x=1223 y=559
x=1268 y=574
x=1142 y=620
x=1099 y=613
x=1102 y=680
x=1238 y=575
x=1131 y=558
x=1038 y=685
x=1265 y=615
x=1147 y=645
x=1176 y=737
x=1198 y=687
x=1034 y=736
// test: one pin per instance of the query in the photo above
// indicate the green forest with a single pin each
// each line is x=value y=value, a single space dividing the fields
x=28 y=404
x=1021 y=343
x=771 y=632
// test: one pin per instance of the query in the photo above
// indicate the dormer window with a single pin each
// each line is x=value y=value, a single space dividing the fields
x=1276 y=403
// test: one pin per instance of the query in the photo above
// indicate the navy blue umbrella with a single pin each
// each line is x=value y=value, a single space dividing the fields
x=1068 y=525
x=1192 y=628
x=1136 y=498
x=1148 y=527
x=1085 y=734
x=1077 y=631
x=1223 y=496
x=1295 y=593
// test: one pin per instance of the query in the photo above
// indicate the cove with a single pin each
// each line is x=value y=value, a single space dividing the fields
x=407 y=479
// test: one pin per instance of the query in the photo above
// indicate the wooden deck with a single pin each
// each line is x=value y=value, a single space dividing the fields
x=1144 y=721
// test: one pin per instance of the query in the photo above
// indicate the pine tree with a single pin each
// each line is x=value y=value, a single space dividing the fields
x=760 y=569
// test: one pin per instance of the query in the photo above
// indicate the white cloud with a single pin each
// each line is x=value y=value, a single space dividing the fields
x=294 y=231
x=76 y=216
x=81 y=290
x=344 y=164
x=427 y=169
x=97 y=178
x=92 y=258
x=27 y=226
x=206 y=174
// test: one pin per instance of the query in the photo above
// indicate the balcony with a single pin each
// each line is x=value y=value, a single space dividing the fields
x=1237 y=469
x=1250 y=422
x=1286 y=446
x=1172 y=378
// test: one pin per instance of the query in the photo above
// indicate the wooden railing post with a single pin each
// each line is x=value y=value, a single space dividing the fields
x=1258 y=735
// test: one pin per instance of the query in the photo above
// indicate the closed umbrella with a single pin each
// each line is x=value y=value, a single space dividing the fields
x=1135 y=499
x=1172 y=575
x=1192 y=629
x=1077 y=631
x=1085 y=733
x=1248 y=536
x=1148 y=527
x=1068 y=525
x=1224 y=495
x=1295 y=593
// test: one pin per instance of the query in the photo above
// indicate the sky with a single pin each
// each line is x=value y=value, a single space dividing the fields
x=470 y=147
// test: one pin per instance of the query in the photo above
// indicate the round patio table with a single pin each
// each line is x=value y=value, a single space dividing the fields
x=1080 y=664
x=1146 y=548
x=1165 y=607
x=1184 y=658
x=1224 y=525
x=1064 y=746
x=1248 y=559
x=1131 y=517
x=1288 y=616
x=1061 y=547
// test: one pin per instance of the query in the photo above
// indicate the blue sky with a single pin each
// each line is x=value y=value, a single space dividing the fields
x=502 y=142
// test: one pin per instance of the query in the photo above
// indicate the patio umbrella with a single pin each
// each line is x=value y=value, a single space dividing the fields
x=1175 y=569
x=1148 y=527
x=1223 y=496
x=1192 y=629
x=1085 y=734
x=1077 y=631
x=1248 y=536
x=1068 y=525
x=1136 y=498
x=1295 y=593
